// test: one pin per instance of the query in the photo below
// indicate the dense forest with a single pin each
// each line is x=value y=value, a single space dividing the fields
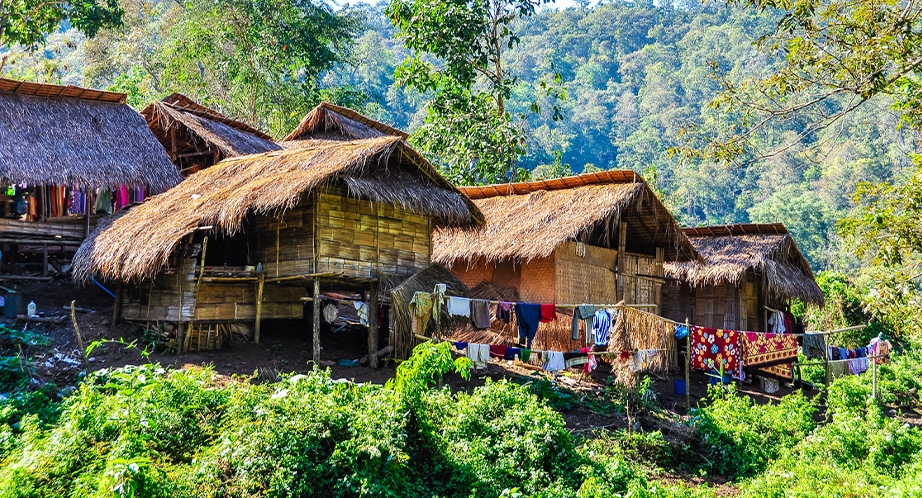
x=632 y=82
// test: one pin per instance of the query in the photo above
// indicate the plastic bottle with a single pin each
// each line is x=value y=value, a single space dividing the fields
x=31 y=308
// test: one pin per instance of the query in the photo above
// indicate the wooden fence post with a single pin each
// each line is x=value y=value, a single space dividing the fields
x=316 y=306
x=373 y=325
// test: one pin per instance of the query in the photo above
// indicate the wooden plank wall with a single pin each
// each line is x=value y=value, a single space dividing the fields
x=585 y=274
x=362 y=239
x=237 y=302
x=640 y=279
x=160 y=299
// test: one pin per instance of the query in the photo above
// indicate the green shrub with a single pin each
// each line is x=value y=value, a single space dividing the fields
x=740 y=438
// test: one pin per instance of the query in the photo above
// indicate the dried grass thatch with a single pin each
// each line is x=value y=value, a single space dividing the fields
x=332 y=122
x=402 y=337
x=731 y=251
x=138 y=245
x=198 y=128
x=76 y=136
x=529 y=220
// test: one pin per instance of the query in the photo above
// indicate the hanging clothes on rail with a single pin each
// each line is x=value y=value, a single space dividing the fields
x=528 y=316
x=814 y=346
x=420 y=312
x=548 y=312
x=601 y=327
x=438 y=297
x=459 y=306
x=504 y=311
x=480 y=313
x=553 y=361
x=585 y=312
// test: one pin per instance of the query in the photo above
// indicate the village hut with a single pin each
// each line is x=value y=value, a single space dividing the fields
x=196 y=137
x=597 y=238
x=749 y=271
x=66 y=154
x=254 y=237
x=332 y=122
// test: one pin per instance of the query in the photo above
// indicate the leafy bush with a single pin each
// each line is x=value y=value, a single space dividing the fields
x=741 y=438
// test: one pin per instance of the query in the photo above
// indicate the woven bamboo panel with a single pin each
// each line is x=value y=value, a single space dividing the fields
x=160 y=299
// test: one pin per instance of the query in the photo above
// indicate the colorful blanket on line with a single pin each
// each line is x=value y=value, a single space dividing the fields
x=717 y=349
x=765 y=349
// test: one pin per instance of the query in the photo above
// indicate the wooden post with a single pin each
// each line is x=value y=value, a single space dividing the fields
x=688 y=366
x=117 y=308
x=44 y=260
x=316 y=306
x=874 y=377
x=89 y=209
x=622 y=244
x=373 y=324
x=259 y=306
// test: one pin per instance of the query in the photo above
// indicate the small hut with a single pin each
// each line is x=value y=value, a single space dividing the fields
x=595 y=238
x=748 y=271
x=254 y=237
x=66 y=154
x=196 y=137
x=332 y=122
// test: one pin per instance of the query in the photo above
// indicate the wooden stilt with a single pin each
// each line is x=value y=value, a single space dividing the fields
x=372 y=324
x=259 y=306
x=117 y=308
x=688 y=366
x=316 y=306
x=44 y=260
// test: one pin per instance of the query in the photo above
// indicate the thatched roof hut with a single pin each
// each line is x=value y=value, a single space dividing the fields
x=332 y=122
x=66 y=135
x=196 y=137
x=384 y=170
x=731 y=251
x=529 y=220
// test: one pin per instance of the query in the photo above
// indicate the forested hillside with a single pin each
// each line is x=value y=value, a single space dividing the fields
x=634 y=82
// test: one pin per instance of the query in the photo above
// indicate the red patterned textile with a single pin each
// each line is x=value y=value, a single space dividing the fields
x=771 y=353
x=717 y=349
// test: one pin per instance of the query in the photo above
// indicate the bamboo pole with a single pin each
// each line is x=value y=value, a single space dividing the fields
x=688 y=366
x=117 y=308
x=316 y=306
x=874 y=378
x=372 y=324
x=73 y=316
x=259 y=307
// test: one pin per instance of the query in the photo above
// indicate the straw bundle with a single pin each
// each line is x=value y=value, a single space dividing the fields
x=642 y=330
x=137 y=246
x=529 y=220
x=402 y=337
x=729 y=255
x=89 y=139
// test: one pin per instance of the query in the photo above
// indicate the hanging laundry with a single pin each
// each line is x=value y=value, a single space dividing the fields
x=525 y=355
x=504 y=311
x=762 y=348
x=460 y=345
x=815 y=346
x=103 y=202
x=857 y=365
x=459 y=306
x=497 y=351
x=479 y=354
x=420 y=312
x=575 y=359
x=641 y=360
x=717 y=349
x=480 y=313
x=585 y=312
x=548 y=313
x=361 y=309
x=776 y=322
x=528 y=316
x=438 y=297
x=511 y=353
x=552 y=361
x=601 y=327
x=592 y=363
x=836 y=369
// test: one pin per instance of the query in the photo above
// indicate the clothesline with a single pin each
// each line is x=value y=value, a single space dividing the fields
x=492 y=301
x=539 y=351
x=812 y=363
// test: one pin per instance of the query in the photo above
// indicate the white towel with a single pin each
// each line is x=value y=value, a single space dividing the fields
x=479 y=354
x=554 y=361
x=459 y=306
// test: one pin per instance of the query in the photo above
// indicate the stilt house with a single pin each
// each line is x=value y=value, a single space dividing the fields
x=196 y=137
x=747 y=271
x=254 y=237
x=594 y=238
x=59 y=146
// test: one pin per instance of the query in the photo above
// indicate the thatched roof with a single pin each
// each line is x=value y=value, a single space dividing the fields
x=730 y=251
x=332 y=122
x=198 y=129
x=137 y=245
x=69 y=135
x=530 y=219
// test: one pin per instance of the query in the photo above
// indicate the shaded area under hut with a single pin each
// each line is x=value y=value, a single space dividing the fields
x=256 y=237
x=196 y=137
x=67 y=155
x=597 y=238
x=749 y=270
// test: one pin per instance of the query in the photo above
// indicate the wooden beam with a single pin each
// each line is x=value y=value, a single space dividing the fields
x=259 y=307
x=372 y=324
x=316 y=320
x=117 y=308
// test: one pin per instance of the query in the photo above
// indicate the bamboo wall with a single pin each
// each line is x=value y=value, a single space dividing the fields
x=641 y=278
x=162 y=298
x=285 y=246
x=237 y=302
x=362 y=239
x=585 y=274
x=718 y=306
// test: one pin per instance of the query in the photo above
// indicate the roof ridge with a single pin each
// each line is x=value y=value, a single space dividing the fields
x=49 y=90
x=609 y=177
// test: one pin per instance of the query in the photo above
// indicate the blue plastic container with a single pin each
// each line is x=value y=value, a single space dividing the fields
x=714 y=378
x=679 y=386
